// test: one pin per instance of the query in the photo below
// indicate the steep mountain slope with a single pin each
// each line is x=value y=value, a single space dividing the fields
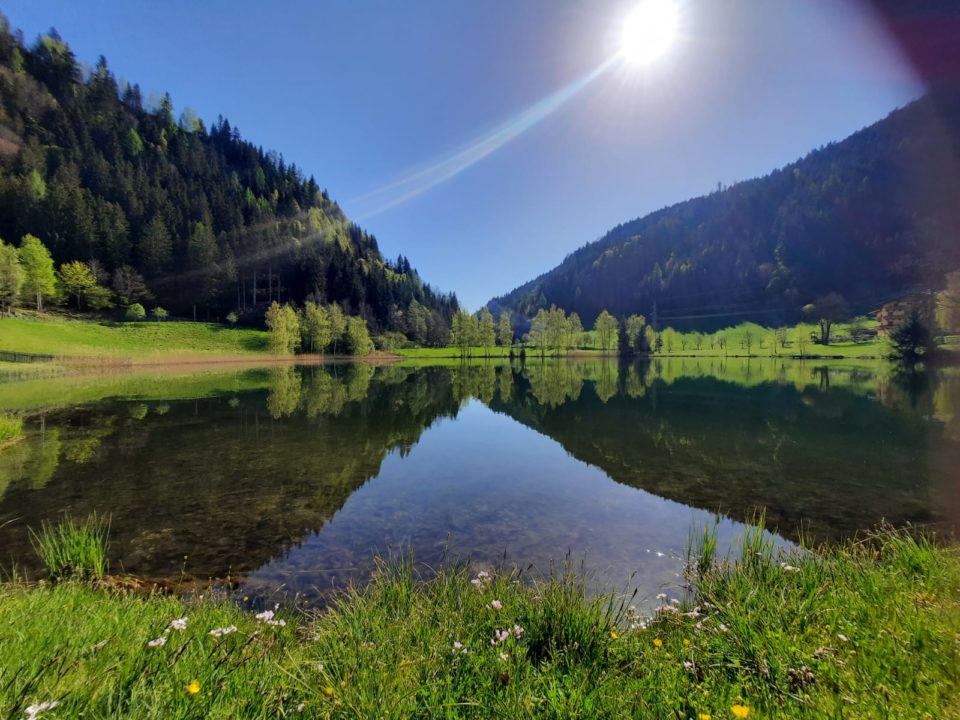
x=867 y=217
x=212 y=221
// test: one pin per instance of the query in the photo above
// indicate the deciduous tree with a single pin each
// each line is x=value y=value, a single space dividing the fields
x=827 y=310
x=11 y=276
x=40 y=280
x=284 y=327
x=505 y=329
x=488 y=333
x=357 y=336
x=316 y=327
x=606 y=329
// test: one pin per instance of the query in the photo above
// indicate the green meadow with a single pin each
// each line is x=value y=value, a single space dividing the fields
x=62 y=337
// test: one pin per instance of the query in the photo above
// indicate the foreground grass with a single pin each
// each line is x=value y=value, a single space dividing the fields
x=82 y=338
x=867 y=630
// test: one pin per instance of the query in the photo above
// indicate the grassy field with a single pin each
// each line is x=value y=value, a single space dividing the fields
x=865 y=630
x=78 y=338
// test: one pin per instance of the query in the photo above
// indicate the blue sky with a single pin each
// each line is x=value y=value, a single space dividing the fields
x=361 y=94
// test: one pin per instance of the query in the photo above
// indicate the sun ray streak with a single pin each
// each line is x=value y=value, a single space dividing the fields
x=418 y=182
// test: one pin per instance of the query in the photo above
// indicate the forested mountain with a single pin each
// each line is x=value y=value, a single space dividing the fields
x=213 y=222
x=868 y=217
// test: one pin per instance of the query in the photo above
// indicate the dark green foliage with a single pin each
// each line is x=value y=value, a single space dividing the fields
x=867 y=217
x=214 y=223
x=911 y=341
x=623 y=341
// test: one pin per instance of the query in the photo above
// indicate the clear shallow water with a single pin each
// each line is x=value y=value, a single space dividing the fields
x=293 y=478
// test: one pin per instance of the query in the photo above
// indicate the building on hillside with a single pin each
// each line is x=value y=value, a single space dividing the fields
x=895 y=312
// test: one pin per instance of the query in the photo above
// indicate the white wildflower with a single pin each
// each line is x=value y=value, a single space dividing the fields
x=688 y=666
x=264 y=616
x=221 y=631
x=500 y=636
x=482 y=578
x=843 y=637
x=517 y=631
x=661 y=596
x=496 y=604
x=159 y=642
x=33 y=710
x=178 y=624
x=674 y=601
x=503 y=657
x=789 y=568
x=459 y=648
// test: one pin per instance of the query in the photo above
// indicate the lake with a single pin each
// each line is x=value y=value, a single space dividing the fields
x=289 y=480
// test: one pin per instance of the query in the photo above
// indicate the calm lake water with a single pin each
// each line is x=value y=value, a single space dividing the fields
x=291 y=479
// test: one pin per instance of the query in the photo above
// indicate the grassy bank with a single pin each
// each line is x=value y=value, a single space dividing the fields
x=866 y=630
x=63 y=337
x=11 y=429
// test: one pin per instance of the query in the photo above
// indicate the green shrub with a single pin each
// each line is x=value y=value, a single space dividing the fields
x=136 y=312
x=159 y=313
x=73 y=550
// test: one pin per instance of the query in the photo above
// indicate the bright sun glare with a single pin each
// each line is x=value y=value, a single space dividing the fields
x=650 y=30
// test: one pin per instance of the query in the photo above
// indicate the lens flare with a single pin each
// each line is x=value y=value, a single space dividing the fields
x=417 y=182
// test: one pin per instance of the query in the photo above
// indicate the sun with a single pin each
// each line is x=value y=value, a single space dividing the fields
x=649 y=31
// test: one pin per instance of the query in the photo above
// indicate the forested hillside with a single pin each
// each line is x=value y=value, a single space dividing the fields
x=212 y=222
x=867 y=218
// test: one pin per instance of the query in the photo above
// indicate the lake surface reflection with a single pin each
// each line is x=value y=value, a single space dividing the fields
x=293 y=478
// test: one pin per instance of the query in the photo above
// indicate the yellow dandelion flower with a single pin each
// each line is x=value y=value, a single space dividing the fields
x=613 y=634
x=329 y=691
x=740 y=711
x=245 y=598
x=657 y=642
x=686 y=642
x=703 y=716
x=194 y=687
